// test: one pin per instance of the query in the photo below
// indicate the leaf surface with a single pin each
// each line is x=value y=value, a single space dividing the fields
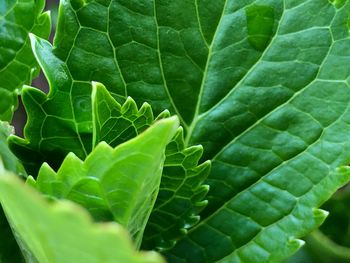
x=181 y=193
x=9 y=250
x=17 y=63
x=61 y=231
x=260 y=84
x=59 y=122
x=63 y=121
x=118 y=184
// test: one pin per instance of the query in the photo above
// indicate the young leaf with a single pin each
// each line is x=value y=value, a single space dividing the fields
x=17 y=63
x=181 y=193
x=259 y=84
x=118 y=184
x=61 y=231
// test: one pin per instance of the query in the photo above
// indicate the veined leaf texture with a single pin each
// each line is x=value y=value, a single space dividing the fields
x=261 y=85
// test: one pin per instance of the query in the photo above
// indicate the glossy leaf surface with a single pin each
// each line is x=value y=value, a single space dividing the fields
x=61 y=231
x=17 y=63
x=118 y=184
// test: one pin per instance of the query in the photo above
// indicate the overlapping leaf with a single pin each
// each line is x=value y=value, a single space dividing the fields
x=181 y=194
x=17 y=63
x=8 y=159
x=58 y=123
x=63 y=122
x=9 y=250
x=118 y=184
x=62 y=231
x=262 y=85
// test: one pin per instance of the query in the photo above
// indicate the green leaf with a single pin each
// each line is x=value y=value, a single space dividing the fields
x=62 y=122
x=118 y=184
x=61 y=231
x=17 y=63
x=9 y=250
x=320 y=249
x=331 y=242
x=260 y=84
x=115 y=123
x=181 y=193
x=8 y=159
x=58 y=123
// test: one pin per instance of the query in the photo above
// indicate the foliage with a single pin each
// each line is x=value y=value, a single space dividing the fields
x=262 y=86
x=17 y=63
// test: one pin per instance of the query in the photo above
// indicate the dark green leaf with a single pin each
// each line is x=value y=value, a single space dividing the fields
x=17 y=63
x=262 y=85
x=58 y=123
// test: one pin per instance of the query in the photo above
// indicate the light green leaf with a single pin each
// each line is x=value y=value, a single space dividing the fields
x=17 y=63
x=9 y=250
x=262 y=85
x=118 y=184
x=62 y=231
x=181 y=193
x=115 y=123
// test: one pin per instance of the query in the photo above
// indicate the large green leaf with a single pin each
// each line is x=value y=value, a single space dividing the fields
x=118 y=184
x=17 y=63
x=63 y=122
x=272 y=103
x=63 y=232
x=181 y=191
x=262 y=85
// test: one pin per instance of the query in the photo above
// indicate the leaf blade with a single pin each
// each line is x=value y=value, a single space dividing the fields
x=18 y=65
x=51 y=242
x=121 y=183
x=182 y=192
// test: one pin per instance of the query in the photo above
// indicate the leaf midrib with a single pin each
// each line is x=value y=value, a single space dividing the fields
x=203 y=222
x=162 y=69
x=198 y=116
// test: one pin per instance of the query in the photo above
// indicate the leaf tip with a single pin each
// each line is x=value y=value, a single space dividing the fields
x=319 y=215
x=295 y=244
x=31 y=181
x=164 y=114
